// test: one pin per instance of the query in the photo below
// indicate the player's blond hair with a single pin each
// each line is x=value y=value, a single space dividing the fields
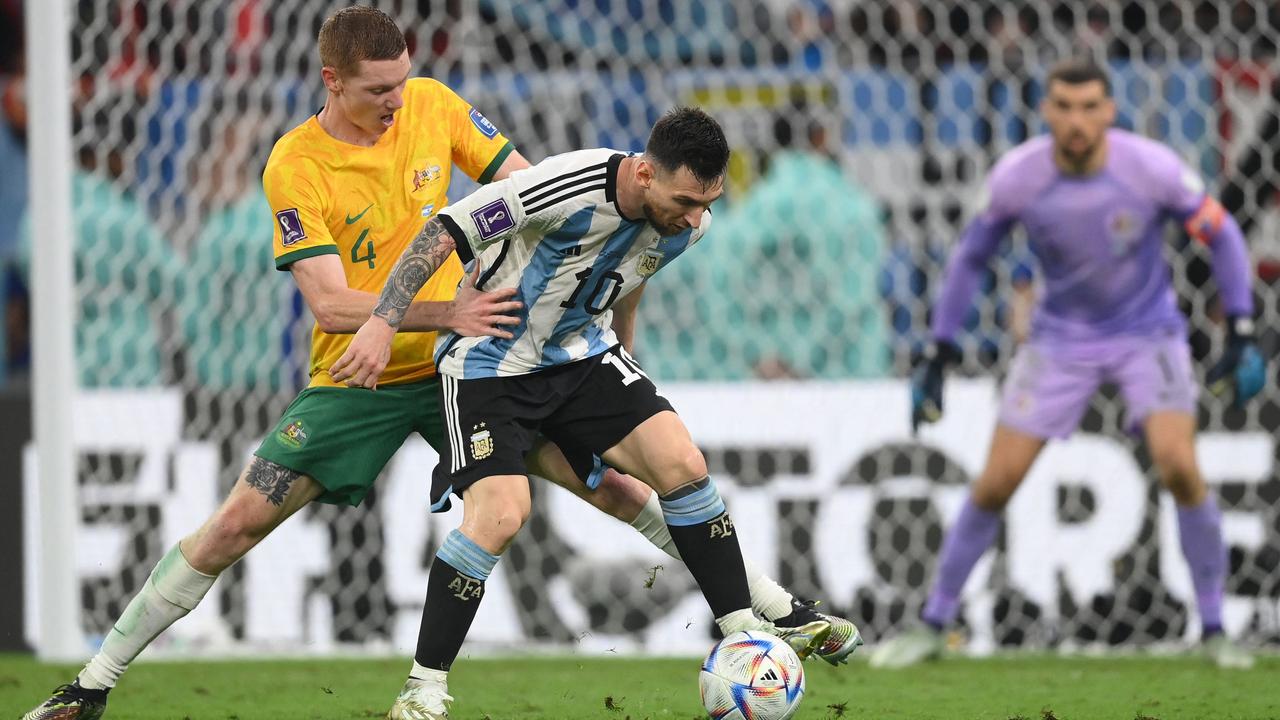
x=358 y=33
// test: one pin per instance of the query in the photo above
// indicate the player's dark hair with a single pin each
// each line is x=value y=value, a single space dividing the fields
x=1077 y=71
x=358 y=33
x=688 y=137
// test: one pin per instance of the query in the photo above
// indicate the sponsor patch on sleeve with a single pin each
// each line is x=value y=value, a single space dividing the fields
x=493 y=219
x=482 y=124
x=290 y=227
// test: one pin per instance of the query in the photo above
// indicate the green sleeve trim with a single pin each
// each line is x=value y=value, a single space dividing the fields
x=284 y=261
x=496 y=163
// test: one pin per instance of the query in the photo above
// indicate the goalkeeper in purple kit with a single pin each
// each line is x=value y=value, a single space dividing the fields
x=1095 y=202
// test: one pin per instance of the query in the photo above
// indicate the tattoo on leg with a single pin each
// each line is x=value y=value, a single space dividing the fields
x=270 y=479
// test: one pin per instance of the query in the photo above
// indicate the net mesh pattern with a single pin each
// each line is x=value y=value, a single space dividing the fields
x=906 y=106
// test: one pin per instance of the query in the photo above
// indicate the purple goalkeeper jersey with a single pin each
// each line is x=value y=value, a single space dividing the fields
x=1099 y=240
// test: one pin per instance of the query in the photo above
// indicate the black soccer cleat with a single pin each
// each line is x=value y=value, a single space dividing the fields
x=71 y=702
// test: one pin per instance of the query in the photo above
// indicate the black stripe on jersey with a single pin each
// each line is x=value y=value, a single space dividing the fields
x=580 y=171
x=562 y=198
x=611 y=184
x=502 y=255
x=461 y=246
x=527 y=201
x=449 y=348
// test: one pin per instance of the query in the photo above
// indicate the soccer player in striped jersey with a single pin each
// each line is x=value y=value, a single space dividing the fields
x=577 y=235
x=349 y=188
x=1095 y=202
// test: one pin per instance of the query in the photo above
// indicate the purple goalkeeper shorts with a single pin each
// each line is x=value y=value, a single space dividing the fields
x=1050 y=383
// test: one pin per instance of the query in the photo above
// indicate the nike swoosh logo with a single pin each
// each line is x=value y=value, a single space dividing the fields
x=352 y=220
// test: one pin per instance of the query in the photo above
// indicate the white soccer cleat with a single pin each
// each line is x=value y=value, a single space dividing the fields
x=910 y=648
x=421 y=700
x=1225 y=653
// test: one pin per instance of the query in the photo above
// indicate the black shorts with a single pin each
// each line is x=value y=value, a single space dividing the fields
x=492 y=423
x=587 y=466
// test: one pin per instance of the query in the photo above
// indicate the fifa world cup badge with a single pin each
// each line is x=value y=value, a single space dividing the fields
x=649 y=262
x=481 y=442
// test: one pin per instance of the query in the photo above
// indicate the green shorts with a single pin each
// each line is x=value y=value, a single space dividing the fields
x=344 y=437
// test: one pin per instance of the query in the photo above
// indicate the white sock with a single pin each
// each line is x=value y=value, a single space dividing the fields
x=425 y=673
x=767 y=597
x=173 y=589
x=653 y=526
x=738 y=620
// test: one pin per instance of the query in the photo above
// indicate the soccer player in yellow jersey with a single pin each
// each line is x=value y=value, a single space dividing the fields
x=350 y=188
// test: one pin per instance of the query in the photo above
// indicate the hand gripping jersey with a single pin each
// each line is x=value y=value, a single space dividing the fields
x=555 y=232
x=366 y=204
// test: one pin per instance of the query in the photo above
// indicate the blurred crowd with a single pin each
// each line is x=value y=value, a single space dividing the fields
x=812 y=270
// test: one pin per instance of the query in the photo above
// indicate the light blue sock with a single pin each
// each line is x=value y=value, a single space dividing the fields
x=466 y=556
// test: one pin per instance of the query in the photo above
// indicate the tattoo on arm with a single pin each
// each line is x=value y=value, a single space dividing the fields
x=420 y=260
x=270 y=479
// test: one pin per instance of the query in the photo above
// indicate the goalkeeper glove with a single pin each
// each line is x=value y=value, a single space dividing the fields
x=1241 y=369
x=926 y=382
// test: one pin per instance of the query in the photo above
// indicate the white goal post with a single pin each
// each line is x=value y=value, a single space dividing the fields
x=53 y=318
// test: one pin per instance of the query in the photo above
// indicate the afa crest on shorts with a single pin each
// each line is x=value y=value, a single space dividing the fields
x=649 y=262
x=481 y=442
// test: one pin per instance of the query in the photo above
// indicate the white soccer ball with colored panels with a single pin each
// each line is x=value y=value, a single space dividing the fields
x=751 y=675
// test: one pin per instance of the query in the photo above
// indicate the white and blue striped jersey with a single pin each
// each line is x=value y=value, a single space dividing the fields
x=554 y=232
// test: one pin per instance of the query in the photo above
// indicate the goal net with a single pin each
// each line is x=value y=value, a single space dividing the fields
x=861 y=132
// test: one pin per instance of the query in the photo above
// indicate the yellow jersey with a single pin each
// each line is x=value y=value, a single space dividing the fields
x=365 y=205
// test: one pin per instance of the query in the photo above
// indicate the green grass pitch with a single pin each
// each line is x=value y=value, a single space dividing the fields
x=1029 y=687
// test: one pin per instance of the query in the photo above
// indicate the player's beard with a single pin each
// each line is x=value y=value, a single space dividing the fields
x=1078 y=159
x=663 y=229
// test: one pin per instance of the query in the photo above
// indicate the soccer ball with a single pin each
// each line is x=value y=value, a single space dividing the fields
x=751 y=675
